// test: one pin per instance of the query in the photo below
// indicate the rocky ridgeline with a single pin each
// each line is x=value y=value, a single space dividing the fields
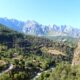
x=32 y=27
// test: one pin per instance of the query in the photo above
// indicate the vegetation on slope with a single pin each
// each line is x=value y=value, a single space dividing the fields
x=26 y=54
x=63 y=71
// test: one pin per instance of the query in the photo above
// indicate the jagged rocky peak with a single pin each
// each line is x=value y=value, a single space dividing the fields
x=30 y=23
x=33 y=27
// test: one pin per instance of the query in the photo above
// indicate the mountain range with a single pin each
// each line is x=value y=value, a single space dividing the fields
x=34 y=28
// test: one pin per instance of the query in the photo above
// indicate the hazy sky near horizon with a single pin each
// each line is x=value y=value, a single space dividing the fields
x=43 y=11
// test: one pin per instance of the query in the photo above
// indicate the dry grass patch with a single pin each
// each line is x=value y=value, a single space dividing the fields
x=56 y=52
x=52 y=51
x=2 y=62
x=18 y=57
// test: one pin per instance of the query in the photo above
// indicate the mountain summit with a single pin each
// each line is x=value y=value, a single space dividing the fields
x=34 y=28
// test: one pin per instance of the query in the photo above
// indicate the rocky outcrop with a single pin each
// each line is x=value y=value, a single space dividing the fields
x=76 y=57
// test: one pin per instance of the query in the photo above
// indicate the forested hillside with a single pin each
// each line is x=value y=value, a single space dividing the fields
x=29 y=54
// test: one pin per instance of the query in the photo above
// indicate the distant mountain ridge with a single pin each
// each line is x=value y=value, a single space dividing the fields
x=34 y=28
x=12 y=23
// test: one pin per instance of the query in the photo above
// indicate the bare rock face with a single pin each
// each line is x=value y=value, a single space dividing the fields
x=32 y=27
x=76 y=57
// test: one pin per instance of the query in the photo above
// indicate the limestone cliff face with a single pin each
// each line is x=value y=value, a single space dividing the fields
x=32 y=27
x=76 y=57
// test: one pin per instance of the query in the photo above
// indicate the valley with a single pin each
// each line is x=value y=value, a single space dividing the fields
x=32 y=57
x=39 y=40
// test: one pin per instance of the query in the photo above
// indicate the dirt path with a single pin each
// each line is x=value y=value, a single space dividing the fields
x=39 y=73
x=5 y=71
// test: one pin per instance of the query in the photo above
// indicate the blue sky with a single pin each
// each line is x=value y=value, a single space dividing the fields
x=43 y=11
